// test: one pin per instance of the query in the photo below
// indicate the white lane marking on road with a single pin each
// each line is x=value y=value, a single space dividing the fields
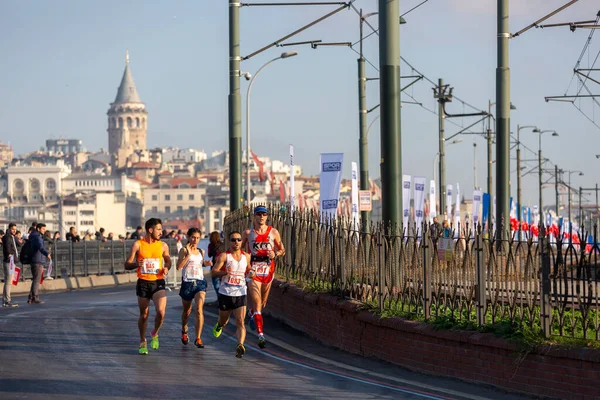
x=313 y=357
x=426 y=396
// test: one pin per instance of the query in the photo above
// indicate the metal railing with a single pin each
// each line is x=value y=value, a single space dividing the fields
x=92 y=257
x=553 y=289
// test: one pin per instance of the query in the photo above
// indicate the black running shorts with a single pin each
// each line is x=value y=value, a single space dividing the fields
x=146 y=289
x=228 y=303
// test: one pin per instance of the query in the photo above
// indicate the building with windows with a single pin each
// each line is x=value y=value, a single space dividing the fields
x=64 y=146
x=176 y=198
x=127 y=121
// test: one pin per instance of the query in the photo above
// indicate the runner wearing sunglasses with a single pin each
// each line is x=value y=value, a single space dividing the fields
x=264 y=244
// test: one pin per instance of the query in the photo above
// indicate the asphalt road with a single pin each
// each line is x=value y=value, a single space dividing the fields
x=84 y=344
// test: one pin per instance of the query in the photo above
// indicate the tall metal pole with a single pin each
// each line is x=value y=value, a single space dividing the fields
x=540 y=179
x=363 y=141
x=519 y=183
x=502 y=119
x=389 y=89
x=569 y=196
x=474 y=166
x=594 y=230
x=235 y=109
x=581 y=226
x=442 y=152
x=489 y=177
x=556 y=189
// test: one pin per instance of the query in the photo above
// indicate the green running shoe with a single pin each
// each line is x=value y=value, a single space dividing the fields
x=240 y=350
x=217 y=330
x=154 y=342
x=143 y=348
x=262 y=343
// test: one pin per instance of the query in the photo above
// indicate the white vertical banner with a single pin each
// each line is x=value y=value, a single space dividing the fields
x=406 y=192
x=419 y=202
x=457 y=211
x=449 y=202
x=292 y=189
x=355 y=195
x=432 y=202
x=330 y=180
x=476 y=205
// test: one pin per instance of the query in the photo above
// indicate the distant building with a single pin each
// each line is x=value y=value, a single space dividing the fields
x=64 y=146
x=127 y=121
x=6 y=154
x=183 y=155
x=176 y=198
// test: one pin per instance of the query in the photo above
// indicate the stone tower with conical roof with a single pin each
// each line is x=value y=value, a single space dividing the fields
x=127 y=121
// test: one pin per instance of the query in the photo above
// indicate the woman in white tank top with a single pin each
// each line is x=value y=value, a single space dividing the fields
x=193 y=285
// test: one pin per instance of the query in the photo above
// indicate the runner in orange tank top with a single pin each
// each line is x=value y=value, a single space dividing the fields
x=151 y=258
x=264 y=244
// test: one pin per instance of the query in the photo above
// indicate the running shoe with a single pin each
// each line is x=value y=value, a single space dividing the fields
x=143 y=348
x=262 y=343
x=198 y=343
x=217 y=330
x=154 y=342
x=184 y=337
x=240 y=350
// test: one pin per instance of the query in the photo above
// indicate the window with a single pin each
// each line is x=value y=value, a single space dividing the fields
x=192 y=208
x=87 y=222
x=154 y=210
x=71 y=213
x=167 y=197
x=179 y=197
x=179 y=208
x=216 y=226
x=167 y=209
x=86 y=212
x=216 y=214
x=50 y=184
x=191 y=197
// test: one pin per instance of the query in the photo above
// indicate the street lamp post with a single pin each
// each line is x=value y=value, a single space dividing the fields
x=519 y=172
x=435 y=159
x=248 y=183
x=554 y=133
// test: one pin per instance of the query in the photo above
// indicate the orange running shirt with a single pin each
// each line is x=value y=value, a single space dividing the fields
x=152 y=254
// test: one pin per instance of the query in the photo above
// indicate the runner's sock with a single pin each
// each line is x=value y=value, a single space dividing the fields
x=258 y=319
x=251 y=312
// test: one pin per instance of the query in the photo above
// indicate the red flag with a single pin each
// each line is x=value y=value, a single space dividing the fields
x=281 y=191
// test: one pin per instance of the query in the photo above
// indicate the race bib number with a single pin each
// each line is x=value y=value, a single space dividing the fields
x=150 y=266
x=234 y=280
x=195 y=272
x=261 y=268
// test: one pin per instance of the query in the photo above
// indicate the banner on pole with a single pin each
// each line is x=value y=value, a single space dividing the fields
x=330 y=180
x=432 y=202
x=365 y=200
x=485 y=210
x=406 y=180
x=355 y=195
x=457 y=211
x=476 y=205
x=419 y=202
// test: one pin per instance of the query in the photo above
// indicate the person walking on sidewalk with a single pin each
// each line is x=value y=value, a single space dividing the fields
x=150 y=256
x=10 y=254
x=232 y=267
x=264 y=243
x=39 y=252
x=193 y=285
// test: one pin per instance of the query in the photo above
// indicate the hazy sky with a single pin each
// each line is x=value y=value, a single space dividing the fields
x=62 y=62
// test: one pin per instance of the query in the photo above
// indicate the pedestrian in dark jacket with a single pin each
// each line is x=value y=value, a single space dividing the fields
x=9 y=251
x=37 y=262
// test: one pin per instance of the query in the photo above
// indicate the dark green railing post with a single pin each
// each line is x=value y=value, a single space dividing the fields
x=480 y=301
x=427 y=246
x=380 y=268
x=546 y=309
x=112 y=258
x=341 y=269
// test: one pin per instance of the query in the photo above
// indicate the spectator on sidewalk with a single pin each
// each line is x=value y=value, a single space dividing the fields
x=72 y=235
x=38 y=260
x=10 y=254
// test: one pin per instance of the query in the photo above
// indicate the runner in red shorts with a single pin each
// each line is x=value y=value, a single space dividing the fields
x=264 y=244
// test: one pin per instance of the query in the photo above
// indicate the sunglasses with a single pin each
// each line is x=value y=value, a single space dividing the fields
x=261 y=214
x=236 y=239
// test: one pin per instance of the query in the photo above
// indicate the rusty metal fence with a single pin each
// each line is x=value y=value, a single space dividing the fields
x=553 y=288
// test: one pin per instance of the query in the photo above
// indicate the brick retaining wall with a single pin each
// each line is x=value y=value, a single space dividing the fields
x=470 y=356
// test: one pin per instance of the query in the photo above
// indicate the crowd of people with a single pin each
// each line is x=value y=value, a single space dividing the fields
x=245 y=268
